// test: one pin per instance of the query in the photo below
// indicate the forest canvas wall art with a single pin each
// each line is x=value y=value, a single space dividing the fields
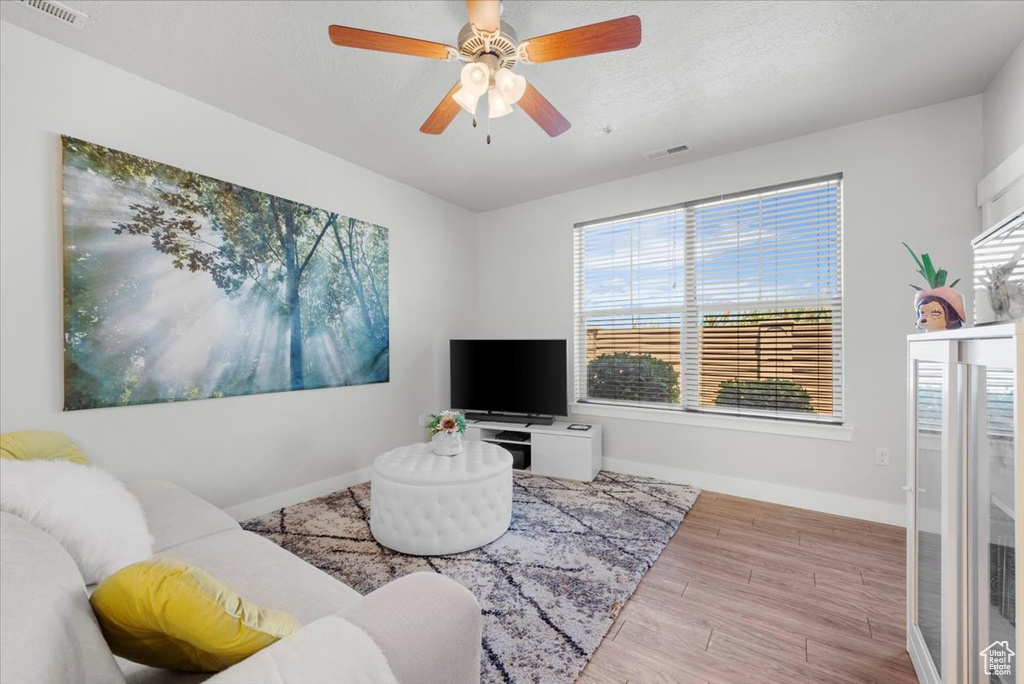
x=178 y=286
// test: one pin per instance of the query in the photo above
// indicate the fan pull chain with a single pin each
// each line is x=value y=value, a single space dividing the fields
x=474 y=121
x=488 y=130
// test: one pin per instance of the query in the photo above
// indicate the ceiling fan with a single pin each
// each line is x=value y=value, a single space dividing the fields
x=490 y=50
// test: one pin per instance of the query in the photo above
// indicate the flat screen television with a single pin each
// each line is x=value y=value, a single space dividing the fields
x=509 y=377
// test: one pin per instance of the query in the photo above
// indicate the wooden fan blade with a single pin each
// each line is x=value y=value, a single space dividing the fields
x=346 y=36
x=543 y=112
x=443 y=115
x=606 y=36
x=484 y=14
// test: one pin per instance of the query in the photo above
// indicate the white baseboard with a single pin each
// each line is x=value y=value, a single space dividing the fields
x=289 y=497
x=826 y=502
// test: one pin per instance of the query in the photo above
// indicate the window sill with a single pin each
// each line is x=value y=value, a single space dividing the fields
x=837 y=433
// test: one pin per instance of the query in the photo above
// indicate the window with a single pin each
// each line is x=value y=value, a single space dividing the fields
x=731 y=305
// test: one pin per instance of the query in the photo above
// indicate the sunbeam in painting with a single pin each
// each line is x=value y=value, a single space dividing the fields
x=179 y=286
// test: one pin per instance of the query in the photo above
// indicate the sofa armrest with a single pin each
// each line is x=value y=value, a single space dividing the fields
x=330 y=649
x=428 y=627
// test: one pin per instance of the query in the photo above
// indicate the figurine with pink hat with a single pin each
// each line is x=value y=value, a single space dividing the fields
x=940 y=307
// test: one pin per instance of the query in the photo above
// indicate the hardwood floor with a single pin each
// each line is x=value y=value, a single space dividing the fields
x=748 y=591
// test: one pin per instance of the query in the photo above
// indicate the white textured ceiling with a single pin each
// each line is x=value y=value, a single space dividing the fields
x=718 y=76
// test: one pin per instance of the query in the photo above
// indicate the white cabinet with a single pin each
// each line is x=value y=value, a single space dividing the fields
x=964 y=490
x=555 y=450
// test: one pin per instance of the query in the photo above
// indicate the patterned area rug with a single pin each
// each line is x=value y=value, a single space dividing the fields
x=549 y=587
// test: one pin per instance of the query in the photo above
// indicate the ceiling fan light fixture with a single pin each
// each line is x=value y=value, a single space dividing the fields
x=475 y=78
x=466 y=100
x=496 y=105
x=487 y=50
x=510 y=85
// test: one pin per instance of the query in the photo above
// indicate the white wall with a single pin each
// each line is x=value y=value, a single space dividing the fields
x=908 y=177
x=227 y=450
x=1003 y=112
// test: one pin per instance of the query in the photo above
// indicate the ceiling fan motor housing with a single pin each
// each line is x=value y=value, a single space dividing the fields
x=501 y=44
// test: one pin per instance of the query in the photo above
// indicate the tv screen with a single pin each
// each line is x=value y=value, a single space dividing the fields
x=511 y=376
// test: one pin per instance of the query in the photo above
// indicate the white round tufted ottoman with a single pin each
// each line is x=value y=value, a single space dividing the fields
x=428 y=505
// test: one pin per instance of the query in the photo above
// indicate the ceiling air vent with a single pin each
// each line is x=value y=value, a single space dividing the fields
x=658 y=154
x=59 y=12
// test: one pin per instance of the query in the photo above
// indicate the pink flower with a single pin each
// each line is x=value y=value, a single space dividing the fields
x=448 y=424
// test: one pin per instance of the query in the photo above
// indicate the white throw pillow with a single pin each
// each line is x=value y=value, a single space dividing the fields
x=89 y=511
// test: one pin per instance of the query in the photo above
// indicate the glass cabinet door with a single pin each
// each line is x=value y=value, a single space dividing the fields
x=965 y=487
x=992 y=524
x=929 y=542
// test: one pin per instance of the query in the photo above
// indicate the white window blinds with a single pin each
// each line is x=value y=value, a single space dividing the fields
x=728 y=305
x=629 y=308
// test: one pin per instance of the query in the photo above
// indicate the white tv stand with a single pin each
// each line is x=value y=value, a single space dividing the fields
x=555 y=450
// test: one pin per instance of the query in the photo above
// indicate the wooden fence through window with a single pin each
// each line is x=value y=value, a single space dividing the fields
x=784 y=348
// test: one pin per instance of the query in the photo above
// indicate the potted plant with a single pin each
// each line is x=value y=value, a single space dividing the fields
x=446 y=430
x=939 y=307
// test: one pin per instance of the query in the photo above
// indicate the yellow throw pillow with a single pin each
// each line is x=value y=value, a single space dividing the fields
x=33 y=445
x=165 y=613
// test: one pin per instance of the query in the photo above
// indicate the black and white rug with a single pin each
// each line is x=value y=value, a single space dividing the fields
x=549 y=588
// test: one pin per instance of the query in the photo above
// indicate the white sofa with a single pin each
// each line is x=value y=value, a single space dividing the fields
x=425 y=625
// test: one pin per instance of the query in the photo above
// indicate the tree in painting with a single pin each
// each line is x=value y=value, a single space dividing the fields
x=181 y=286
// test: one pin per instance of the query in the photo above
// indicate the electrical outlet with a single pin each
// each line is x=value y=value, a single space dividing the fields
x=881 y=456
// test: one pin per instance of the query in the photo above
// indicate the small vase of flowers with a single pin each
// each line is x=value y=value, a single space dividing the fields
x=446 y=429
